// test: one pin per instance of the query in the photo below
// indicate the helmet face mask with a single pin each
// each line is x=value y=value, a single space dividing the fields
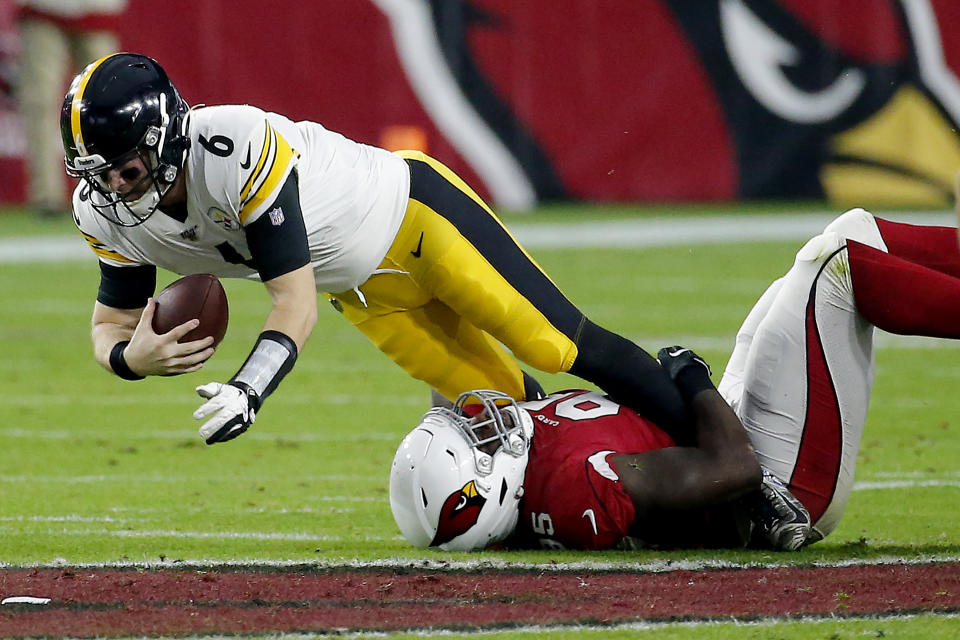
x=457 y=478
x=140 y=168
x=120 y=108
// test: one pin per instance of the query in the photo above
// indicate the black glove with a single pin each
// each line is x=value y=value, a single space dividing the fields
x=688 y=371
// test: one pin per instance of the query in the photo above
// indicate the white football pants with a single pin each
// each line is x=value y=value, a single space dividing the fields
x=802 y=369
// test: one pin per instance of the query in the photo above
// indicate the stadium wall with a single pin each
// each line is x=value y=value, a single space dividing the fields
x=854 y=101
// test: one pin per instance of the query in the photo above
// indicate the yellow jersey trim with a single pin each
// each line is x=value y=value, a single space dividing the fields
x=102 y=251
x=274 y=162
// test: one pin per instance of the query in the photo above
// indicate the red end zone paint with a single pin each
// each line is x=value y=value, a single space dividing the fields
x=107 y=602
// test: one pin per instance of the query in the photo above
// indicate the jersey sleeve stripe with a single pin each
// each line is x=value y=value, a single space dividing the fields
x=103 y=252
x=264 y=154
x=275 y=172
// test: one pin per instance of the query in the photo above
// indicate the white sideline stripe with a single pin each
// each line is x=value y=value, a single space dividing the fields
x=427 y=564
x=915 y=474
x=571 y=629
x=863 y=485
x=133 y=478
x=68 y=518
x=190 y=434
x=693 y=230
x=218 y=535
x=904 y=484
x=343 y=399
x=646 y=232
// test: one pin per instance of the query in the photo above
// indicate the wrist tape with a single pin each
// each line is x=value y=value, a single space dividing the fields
x=119 y=365
x=270 y=360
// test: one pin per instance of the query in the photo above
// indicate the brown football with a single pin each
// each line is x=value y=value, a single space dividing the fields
x=198 y=296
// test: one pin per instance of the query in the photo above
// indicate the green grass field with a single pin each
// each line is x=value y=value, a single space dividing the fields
x=98 y=470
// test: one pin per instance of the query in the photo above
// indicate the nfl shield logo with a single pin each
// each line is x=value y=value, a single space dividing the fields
x=276 y=216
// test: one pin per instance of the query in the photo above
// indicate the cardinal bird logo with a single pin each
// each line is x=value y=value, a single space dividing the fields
x=459 y=512
x=721 y=99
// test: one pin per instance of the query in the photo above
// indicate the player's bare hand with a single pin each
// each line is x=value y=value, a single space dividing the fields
x=153 y=354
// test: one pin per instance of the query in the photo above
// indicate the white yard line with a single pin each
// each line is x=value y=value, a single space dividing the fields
x=572 y=630
x=429 y=564
x=132 y=478
x=217 y=535
x=636 y=233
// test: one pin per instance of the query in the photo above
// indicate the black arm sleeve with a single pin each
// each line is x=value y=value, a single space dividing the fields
x=278 y=238
x=632 y=377
x=126 y=287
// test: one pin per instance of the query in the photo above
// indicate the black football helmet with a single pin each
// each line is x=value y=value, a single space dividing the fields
x=119 y=108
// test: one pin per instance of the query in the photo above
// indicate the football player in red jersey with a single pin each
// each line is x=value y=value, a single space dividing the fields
x=776 y=443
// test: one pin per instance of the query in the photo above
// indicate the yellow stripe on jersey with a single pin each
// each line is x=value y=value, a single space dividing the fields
x=101 y=250
x=81 y=85
x=264 y=153
x=276 y=158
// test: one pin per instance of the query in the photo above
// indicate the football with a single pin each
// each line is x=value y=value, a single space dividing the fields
x=198 y=296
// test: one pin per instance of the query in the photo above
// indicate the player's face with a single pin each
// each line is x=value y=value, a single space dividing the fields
x=128 y=178
x=489 y=431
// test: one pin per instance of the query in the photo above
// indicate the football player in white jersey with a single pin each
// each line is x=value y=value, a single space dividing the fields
x=399 y=244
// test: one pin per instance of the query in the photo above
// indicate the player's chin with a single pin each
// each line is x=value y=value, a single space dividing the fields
x=136 y=192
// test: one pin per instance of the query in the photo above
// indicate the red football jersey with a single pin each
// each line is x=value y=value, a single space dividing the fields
x=572 y=494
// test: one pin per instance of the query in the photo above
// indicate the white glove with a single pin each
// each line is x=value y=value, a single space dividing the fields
x=233 y=408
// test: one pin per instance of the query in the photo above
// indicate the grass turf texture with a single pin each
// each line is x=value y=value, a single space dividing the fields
x=100 y=470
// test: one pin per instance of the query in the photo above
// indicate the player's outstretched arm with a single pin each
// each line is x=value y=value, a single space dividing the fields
x=722 y=465
x=231 y=408
x=125 y=343
x=294 y=311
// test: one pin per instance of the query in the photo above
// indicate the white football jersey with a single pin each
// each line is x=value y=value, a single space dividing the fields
x=353 y=198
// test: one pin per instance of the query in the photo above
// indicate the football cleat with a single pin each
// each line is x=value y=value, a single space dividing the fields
x=782 y=520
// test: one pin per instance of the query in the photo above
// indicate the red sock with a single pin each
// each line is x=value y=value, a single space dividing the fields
x=933 y=247
x=904 y=297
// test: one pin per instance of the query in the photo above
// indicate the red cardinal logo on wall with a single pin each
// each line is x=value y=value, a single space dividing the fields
x=459 y=512
x=678 y=100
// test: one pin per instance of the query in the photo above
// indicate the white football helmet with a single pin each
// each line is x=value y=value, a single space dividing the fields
x=457 y=480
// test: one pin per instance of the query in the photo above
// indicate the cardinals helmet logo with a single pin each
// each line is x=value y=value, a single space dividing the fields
x=459 y=512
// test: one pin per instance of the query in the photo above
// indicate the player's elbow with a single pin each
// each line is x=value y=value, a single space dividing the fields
x=742 y=470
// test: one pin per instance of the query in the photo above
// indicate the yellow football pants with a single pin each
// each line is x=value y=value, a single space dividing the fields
x=454 y=288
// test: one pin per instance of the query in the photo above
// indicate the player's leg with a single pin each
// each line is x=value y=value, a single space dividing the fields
x=732 y=382
x=45 y=55
x=906 y=278
x=454 y=246
x=428 y=340
x=807 y=381
x=930 y=246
